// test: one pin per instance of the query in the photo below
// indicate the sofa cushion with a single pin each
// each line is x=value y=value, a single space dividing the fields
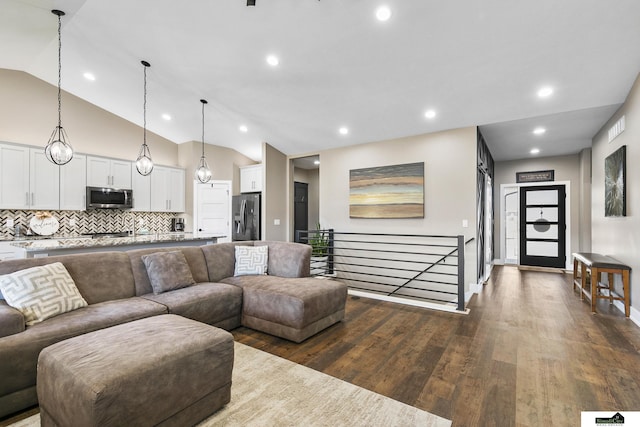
x=288 y=259
x=216 y=304
x=167 y=271
x=99 y=276
x=221 y=259
x=251 y=260
x=11 y=320
x=41 y=292
x=193 y=255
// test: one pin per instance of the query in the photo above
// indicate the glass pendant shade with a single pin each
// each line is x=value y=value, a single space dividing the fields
x=203 y=173
x=58 y=150
x=144 y=164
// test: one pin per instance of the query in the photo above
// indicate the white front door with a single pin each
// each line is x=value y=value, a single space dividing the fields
x=212 y=209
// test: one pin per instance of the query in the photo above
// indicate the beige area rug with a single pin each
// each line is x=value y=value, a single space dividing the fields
x=270 y=391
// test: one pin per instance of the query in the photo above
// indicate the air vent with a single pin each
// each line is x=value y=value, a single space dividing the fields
x=616 y=129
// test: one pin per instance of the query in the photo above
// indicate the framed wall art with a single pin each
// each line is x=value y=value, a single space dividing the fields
x=387 y=192
x=615 y=171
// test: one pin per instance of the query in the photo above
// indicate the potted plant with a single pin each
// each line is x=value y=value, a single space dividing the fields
x=319 y=241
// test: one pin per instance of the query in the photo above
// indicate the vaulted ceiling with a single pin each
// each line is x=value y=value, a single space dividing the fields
x=471 y=62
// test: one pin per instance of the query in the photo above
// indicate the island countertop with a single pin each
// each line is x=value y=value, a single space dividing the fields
x=84 y=244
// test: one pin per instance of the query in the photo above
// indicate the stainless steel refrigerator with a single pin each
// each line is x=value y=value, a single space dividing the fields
x=246 y=217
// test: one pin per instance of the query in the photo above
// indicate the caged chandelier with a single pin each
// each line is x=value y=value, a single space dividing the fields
x=144 y=164
x=58 y=149
x=203 y=173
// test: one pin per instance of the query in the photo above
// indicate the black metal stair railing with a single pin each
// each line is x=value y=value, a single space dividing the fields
x=425 y=268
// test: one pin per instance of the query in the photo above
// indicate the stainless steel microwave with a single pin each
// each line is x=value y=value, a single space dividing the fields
x=109 y=198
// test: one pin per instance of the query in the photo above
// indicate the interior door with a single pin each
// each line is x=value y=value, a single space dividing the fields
x=543 y=226
x=213 y=210
x=301 y=209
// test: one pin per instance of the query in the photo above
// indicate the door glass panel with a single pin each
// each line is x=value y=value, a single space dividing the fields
x=542 y=197
x=540 y=233
x=548 y=214
x=549 y=249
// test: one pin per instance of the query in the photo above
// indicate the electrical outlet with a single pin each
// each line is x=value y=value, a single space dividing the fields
x=72 y=222
x=9 y=222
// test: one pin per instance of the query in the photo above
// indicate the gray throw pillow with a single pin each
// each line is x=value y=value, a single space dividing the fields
x=167 y=271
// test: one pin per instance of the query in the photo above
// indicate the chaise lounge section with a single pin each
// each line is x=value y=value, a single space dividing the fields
x=118 y=289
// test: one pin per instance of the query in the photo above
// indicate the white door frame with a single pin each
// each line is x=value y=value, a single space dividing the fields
x=195 y=206
x=567 y=186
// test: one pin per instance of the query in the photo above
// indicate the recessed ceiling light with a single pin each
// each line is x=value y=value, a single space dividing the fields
x=243 y=129
x=534 y=151
x=539 y=131
x=273 y=60
x=545 y=92
x=316 y=162
x=430 y=114
x=383 y=13
x=89 y=76
x=343 y=130
x=166 y=117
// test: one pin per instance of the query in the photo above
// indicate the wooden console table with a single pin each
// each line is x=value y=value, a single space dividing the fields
x=596 y=264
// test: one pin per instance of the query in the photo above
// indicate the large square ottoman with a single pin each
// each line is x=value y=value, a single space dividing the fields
x=163 y=370
x=293 y=308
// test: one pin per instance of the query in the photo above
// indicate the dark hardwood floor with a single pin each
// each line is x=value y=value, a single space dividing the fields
x=530 y=353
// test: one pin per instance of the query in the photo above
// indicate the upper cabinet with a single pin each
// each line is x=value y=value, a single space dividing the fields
x=27 y=179
x=167 y=189
x=73 y=183
x=251 y=179
x=104 y=172
x=141 y=186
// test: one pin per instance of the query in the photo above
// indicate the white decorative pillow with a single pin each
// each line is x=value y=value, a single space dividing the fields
x=251 y=260
x=41 y=292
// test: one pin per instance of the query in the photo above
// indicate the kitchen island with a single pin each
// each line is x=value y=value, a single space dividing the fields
x=52 y=247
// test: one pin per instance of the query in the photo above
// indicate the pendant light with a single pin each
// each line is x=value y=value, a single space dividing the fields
x=203 y=173
x=144 y=164
x=58 y=149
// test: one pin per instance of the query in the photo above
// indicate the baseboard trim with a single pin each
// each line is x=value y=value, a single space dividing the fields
x=407 y=301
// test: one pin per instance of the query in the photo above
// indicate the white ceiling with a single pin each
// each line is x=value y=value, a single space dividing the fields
x=474 y=62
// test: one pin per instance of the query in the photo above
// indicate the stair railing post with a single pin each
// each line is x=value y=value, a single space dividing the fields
x=460 y=273
x=330 y=252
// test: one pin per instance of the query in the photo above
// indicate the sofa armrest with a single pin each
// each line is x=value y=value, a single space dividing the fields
x=11 y=320
x=288 y=259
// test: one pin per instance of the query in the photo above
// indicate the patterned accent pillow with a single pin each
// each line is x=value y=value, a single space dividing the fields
x=251 y=260
x=168 y=271
x=41 y=292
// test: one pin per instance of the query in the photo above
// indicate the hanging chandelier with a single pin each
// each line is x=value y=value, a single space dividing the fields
x=144 y=164
x=58 y=149
x=203 y=173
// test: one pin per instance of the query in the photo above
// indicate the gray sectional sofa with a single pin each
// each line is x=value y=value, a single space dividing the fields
x=117 y=287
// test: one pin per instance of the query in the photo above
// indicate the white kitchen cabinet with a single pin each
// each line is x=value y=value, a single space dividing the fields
x=105 y=172
x=251 y=179
x=167 y=189
x=141 y=186
x=73 y=184
x=14 y=177
x=27 y=179
x=8 y=251
x=44 y=181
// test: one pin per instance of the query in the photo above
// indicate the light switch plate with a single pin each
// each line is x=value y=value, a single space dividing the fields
x=9 y=222
x=276 y=222
x=465 y=223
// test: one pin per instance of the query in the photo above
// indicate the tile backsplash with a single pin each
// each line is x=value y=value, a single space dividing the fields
x=91 y=221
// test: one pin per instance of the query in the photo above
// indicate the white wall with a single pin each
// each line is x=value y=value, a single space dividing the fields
x=620 y=236
x=450 y=186
x=29 y=113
